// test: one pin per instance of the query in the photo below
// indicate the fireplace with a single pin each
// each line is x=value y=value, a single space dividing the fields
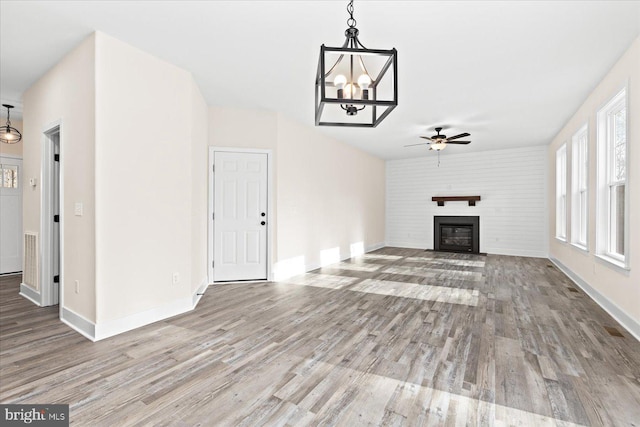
x=456 y=234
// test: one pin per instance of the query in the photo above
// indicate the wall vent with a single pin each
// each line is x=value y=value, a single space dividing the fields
x=30 y=270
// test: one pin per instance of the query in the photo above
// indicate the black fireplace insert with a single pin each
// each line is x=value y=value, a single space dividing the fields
x=456 y=234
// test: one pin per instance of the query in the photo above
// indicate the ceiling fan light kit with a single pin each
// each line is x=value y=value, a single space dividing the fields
x=439 y=141
x=9 y=134
x=355 y=86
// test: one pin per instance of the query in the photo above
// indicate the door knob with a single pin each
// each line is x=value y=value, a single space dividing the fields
x=262 y=223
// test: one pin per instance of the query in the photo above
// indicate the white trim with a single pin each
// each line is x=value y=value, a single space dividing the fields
x=195 y=298
x=602 y=181
x=211 y=200
x=31 y=294
x=626 y=321
x=78 y=323
x=11 y=156
x=113 y=327
x=580 y=247
x=46 y=191
x=575 y=187
x=614 y=263
x=314 y=266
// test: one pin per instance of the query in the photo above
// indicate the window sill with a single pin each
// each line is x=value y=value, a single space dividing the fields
x=617 y=264
x=561 y=239
x=580 y=247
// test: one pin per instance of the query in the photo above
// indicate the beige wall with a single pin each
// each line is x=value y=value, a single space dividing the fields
x=327 y=195
x=143 y=180
x=622 y=288
x=66 y=94
x=11 y=149
x=330 y=196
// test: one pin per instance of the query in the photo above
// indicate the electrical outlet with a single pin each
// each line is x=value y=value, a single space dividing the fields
x=176 y=278
x=77 y=282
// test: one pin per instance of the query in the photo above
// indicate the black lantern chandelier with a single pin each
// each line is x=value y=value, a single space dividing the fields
x=360 y=86
x=8 y=134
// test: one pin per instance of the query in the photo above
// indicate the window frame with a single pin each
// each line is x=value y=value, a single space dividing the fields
x=605 y=159
x=561 y=193
x=580 y=188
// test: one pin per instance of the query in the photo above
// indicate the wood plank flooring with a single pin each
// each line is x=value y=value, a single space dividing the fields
x=394 y=337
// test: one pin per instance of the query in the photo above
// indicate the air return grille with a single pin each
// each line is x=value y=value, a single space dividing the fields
x=30 y=271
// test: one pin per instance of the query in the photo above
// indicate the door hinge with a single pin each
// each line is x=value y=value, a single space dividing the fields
x=56 y=157
x=213 y=216
x=56 y=279
x=212 y=263
x=213 y=168
x=56 y=218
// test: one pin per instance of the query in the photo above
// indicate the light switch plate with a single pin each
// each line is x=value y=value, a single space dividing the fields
x=77 y=210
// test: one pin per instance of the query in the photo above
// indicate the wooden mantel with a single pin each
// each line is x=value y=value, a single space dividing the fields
x=441 y=199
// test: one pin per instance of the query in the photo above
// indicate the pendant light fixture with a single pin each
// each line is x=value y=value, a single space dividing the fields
x=9 y=134
x=355 y=86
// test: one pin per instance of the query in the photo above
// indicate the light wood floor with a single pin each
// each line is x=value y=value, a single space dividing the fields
x=396 y=337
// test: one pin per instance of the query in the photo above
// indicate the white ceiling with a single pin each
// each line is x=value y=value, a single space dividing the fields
x=509 y=73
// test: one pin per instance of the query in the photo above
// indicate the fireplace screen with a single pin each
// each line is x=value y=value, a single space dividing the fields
x=456 y=234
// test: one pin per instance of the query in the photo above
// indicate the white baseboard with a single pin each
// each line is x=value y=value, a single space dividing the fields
x=301 y=269
x=516 y=252
x=374 y=247
x=79 y=323
x=405 y=245
x=113 y=327
x=195 y=298
x=629 y=323
x=31 y=294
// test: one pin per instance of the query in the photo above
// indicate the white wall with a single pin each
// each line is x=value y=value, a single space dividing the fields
x=330 y=199
x=66 y=93
x=615 y=289
x=143 y=180
x=511 y=182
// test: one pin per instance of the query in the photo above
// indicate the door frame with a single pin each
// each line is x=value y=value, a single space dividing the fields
x=47 y=295
x=211 y=199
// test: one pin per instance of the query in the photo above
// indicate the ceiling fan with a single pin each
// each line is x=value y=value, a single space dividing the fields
x=439 y=142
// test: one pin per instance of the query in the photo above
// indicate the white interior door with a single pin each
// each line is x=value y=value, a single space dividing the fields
x=10 y=215
x=240 y=216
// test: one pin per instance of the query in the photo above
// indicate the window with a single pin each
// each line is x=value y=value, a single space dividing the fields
x=579 y=187
x=612 y=229
x=561 y=193
x=9 y=175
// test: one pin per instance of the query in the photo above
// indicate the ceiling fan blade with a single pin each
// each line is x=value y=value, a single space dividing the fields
x=458 y=142
x=427 y=137
x=421 y=143
x=462 y=135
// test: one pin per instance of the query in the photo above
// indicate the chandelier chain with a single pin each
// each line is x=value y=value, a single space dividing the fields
x=351 y=22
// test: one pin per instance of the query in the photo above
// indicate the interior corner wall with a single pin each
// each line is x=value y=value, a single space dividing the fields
x=66 y=94
x=617 y=290
x=143 y=187
x=199 y=186
x=512 y=185
x=13 y=149
x=330 y=199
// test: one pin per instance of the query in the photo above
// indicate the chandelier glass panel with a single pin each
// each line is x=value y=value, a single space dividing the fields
x=355 y=86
